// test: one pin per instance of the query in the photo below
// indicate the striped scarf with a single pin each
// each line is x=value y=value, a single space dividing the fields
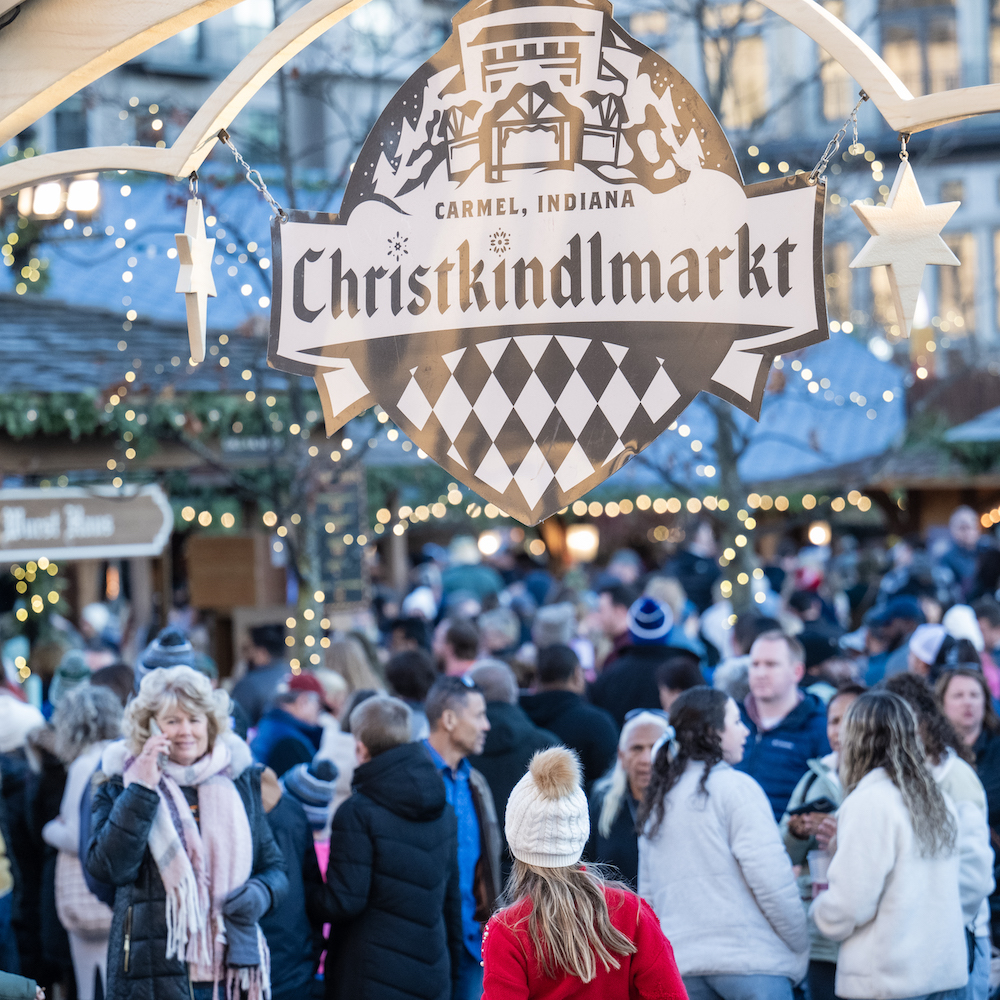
x=200 y=868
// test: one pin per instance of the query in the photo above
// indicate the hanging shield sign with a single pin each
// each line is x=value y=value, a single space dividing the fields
x=544 y=252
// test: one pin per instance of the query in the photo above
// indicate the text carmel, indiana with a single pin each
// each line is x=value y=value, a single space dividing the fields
x=458 y=281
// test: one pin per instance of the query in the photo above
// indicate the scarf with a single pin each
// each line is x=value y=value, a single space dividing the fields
x=200 y=868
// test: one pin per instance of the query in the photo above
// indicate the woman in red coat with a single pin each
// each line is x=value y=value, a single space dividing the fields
x=568 y=932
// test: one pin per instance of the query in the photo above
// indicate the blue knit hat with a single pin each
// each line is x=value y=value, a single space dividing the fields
x=312 y=786
x=649 y=622
x=171 y=648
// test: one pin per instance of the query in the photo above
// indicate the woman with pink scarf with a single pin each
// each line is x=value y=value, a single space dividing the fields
x=179 y=830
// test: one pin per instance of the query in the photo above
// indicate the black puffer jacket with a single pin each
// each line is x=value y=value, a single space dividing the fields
x=585 y=728
x=121 y=822
x=392 y=891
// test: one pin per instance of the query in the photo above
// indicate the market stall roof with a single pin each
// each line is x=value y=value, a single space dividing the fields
x=826 y=406
x=56 y=346
x=983 y=429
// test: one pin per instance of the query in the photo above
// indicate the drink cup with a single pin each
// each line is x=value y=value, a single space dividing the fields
x=819 y=866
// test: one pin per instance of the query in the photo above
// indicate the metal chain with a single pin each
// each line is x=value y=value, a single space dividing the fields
x=193 y=184
x=251 y=173
x=904 y=138
x=833 y=145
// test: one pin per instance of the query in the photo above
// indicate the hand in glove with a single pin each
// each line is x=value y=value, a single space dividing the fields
x=248 y=903
x=240 y=912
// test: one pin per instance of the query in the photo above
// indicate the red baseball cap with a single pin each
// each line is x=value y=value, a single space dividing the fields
x=305 y=681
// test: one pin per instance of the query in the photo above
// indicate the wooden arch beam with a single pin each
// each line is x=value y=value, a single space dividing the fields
x=198 y=139
x=902 y=111
x=54 y=48
x=899 y=107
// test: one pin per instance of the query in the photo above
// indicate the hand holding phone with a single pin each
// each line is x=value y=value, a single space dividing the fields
x=155 y=730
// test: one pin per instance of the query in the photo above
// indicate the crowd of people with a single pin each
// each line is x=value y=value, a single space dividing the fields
x=520 y=785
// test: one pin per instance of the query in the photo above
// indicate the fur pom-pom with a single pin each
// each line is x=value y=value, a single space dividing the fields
x=556 y=772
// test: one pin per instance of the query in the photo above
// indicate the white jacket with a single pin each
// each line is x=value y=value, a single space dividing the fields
x=898 y=914
x=719 y=879
x=976 y=883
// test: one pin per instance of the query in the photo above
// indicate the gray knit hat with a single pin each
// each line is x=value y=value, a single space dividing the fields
x=71 y=672
x=171 y=648
x=312 y=786
x=547 y=821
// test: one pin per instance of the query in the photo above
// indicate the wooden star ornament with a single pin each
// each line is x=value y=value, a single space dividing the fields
x=906 y=237
x=194 y=279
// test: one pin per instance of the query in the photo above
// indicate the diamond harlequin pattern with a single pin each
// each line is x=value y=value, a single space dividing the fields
x=490 y=401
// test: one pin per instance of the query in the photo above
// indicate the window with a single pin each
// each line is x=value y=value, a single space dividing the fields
x=838 y=88
x=995 y=41
x=738 y=69
x=839 y=281
x=260 y=135
x=650 y=22
x=883 y=305
x=736 y=62
x=956 y=304
x=71 y=124
x=839 y=95
x=920 y=44
x=953 y=191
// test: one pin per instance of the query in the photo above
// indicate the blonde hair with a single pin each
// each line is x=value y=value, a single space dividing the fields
x=881 y=730
x=614 y=784
x=169 y=686
x=347 y=658
x=569 y=924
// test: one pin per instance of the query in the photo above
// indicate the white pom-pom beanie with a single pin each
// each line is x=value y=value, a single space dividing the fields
x=547 y=820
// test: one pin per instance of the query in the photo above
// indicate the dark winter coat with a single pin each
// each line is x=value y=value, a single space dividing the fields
x=778 y=757
x=121 y=822
x=630 y=682
x=510 y=744
x=293 y=944
x=392 y=892
x=283 y=741
x=621 y=847
x=588 y=730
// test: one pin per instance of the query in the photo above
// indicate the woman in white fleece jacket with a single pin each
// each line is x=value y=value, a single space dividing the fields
x=893 y=899
x=712 y=864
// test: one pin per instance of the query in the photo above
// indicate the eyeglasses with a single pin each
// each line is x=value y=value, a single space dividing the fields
x=636 y=712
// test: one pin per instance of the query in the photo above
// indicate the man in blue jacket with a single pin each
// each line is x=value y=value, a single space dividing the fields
x=787 y=725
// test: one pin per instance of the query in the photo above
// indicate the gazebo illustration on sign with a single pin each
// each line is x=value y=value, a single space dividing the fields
x=532 y=128
x=529 y=91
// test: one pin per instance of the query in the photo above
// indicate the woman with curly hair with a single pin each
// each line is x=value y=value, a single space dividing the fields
x=712 y=864
x=567 y=932
x=179 y=828
x=893 y=899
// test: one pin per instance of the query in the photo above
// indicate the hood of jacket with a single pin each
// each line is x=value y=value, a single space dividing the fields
x=405 y=781
x=509 y=728
x=545 y=707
